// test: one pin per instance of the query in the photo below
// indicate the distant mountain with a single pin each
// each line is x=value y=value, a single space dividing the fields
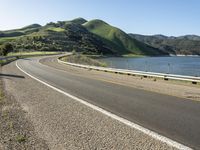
x=79 y=21
x=189 y=37
x=120 y=42
x=89 y=37
x=18 y=32
x=186 y=45
x=31 y=26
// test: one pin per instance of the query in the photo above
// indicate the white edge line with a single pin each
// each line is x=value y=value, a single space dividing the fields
x=113 y=116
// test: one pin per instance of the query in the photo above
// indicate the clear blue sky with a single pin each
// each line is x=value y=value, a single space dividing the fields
x=169 y=17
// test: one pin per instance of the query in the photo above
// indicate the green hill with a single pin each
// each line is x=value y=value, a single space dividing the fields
x=120 y=42
x=79 y=21
x=93 y=37
x=31 y=26
x=65 y=36
x=19 y=32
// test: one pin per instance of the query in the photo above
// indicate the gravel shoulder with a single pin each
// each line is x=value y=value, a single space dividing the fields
x=58 y=122
x=174 y=88
x=16 y=130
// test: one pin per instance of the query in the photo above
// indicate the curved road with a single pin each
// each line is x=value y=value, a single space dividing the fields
x=175 y=118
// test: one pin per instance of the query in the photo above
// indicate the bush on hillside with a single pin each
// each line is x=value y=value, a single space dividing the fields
x=5 y=49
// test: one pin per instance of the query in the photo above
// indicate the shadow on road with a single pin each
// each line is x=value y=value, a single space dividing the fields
x=11 y=75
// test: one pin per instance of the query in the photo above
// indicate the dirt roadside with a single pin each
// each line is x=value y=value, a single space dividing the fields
x=16 y=130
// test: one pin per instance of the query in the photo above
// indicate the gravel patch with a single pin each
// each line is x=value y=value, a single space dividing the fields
x=16 y=131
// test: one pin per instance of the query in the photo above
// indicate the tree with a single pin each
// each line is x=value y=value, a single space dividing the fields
x=5 y=49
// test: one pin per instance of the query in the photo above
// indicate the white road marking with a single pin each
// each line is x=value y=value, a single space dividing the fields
x=154 y=135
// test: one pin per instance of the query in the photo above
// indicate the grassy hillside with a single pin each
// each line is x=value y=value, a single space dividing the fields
x=93 y=37
x=59 y=36
x=19 y=32
x=79 y=21
x=119 y=40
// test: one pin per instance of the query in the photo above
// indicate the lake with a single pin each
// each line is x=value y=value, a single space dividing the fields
x=181 y=65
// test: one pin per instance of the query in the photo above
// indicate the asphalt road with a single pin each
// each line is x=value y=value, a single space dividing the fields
x=175 y=118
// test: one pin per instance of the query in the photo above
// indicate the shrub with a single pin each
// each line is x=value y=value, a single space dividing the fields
x=5 y=49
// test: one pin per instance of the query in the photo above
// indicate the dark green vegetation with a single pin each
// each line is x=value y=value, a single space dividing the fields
x=82 y=59
x=60 y=36
x=186 y=45
x=93 y=37
x=5 y=49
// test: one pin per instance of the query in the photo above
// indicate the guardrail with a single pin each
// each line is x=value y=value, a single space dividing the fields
x=164 y=76
x=7 y=57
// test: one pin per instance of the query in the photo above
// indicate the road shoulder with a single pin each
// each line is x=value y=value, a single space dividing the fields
x=16 y=130
x=67 y=124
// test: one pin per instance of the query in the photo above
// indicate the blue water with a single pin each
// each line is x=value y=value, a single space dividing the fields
x=184 y=65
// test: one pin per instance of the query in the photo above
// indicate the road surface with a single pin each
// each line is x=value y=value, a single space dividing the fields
x=173 y=117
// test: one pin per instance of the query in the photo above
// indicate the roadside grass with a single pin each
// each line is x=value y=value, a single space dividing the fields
x=82 y=59
x=32 y=53
x=20 y=138
x=7 y=39
x=132 y=56
x=56 y=29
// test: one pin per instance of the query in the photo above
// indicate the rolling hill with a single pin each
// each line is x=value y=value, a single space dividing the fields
x=88 y=37
x=121 y=42
x=18 y=32
x=60 y=36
